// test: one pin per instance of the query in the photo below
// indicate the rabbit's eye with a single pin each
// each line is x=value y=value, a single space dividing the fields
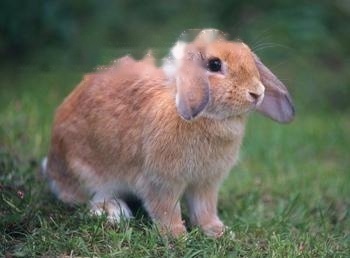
x=214 y=65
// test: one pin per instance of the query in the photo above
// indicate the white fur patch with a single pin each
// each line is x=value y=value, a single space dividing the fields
x=115 y=210
x=54 y=188
x=174 y=60
x=44 y=166
x=178 y=51
x=52 y=183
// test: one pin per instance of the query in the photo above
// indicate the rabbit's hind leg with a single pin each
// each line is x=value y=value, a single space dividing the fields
x=63 y=184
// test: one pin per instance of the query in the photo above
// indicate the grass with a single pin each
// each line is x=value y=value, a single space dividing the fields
x=289 y=195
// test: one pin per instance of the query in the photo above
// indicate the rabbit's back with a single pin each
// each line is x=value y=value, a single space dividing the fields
x=102 y=120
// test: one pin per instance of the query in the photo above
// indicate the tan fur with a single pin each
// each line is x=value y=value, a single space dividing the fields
x=119 y=132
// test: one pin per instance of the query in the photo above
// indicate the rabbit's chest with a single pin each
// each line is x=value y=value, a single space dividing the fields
x=195 y=159
x=211 y=159
x=193 y=151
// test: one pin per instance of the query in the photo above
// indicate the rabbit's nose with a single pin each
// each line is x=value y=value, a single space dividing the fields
x=254 y=96
x=257 y=94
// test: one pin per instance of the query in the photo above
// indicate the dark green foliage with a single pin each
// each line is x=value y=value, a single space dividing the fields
x=29 y=25
x=306 y=41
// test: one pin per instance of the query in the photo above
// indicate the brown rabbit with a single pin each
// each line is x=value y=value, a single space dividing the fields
x=161 y=133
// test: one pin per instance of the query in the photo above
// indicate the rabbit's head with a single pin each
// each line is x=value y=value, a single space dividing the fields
x=220 y=79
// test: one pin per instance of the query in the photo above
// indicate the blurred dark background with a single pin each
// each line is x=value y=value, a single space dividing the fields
x=307 y=43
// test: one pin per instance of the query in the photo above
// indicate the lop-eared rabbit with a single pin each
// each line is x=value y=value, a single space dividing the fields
x=161 y=133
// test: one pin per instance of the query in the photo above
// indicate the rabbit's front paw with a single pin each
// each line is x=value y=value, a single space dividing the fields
x=114 y=209
x=214 y=229
x=176 y=231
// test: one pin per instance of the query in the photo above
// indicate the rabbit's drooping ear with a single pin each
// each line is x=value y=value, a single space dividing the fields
x=277 y=103
x=192 y=84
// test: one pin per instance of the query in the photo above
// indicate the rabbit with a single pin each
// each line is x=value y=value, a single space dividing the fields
x=162 y=133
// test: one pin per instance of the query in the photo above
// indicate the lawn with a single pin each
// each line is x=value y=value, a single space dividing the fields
x=288 y=196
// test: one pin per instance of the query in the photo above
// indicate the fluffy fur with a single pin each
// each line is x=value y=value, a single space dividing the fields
x=121 y=131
